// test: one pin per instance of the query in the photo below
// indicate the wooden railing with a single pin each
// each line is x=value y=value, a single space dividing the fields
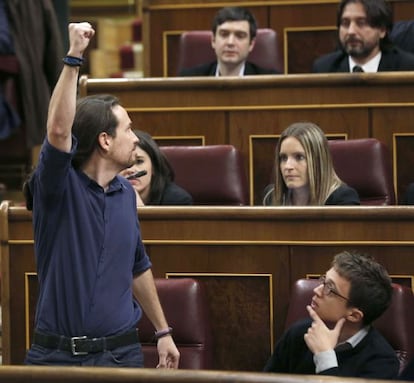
x=246 y=257
x=42 y=374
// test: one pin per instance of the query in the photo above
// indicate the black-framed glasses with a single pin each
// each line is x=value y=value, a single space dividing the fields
x=329 y=289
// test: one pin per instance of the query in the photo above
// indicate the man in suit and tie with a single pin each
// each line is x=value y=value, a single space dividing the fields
x=338 y=338
x=234 y=36
x=365 y=46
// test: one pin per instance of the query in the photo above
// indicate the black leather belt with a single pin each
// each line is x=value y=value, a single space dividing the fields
x=81 y=345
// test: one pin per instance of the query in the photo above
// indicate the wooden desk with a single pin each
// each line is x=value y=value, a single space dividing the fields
x=65 y=374
x=247 y=257
x=250 y=113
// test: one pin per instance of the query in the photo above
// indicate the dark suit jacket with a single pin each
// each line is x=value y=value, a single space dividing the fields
x=409 y=200
x=344 y=195
x=402 y=35
x=174 y=195
x=210 y=70
x=408 y=372
x=393 y=59
x=372 y=357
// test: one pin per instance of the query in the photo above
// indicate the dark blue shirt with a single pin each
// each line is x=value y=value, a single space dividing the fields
x=6 y=41
x=88 y=248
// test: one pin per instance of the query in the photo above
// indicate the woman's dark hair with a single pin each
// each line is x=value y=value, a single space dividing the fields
x=235 y=14
x=162 y=172
x=93 y=116
x=379 y=15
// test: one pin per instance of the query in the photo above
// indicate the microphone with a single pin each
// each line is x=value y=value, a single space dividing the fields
x=136 y=175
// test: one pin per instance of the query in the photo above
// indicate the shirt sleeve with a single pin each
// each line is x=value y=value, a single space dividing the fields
x=325 y=360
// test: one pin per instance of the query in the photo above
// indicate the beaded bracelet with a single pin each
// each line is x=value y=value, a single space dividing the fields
x=73 y=61
x=162 y=333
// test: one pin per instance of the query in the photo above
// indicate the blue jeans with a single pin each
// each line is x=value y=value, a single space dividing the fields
x=126 y=356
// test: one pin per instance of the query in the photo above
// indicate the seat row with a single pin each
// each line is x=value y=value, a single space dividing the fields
x=215 y=174
x=195 y=47
x=186 y=306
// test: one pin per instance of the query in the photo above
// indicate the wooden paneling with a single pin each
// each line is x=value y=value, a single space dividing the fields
x=395 y=127
x=298 y=57
x=245 y=299
x=403 y=146
x=247 y=257
x=248 y=113
x=86 y=9
x=183 y=126
x=301 y=26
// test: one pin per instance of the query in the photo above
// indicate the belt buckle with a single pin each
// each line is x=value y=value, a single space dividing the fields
x=73 y=345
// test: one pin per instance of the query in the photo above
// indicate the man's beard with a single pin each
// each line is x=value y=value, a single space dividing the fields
x=359 y=51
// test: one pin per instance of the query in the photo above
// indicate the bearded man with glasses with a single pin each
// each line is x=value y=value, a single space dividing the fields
x=338 y=338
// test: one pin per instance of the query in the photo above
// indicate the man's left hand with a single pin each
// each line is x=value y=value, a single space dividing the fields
x=168 y=354
x=319 y=337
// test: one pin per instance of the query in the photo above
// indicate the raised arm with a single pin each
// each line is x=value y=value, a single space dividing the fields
x=62 y=105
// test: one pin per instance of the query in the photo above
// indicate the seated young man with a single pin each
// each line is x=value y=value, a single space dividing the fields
x=234 y=36
x=338 y=338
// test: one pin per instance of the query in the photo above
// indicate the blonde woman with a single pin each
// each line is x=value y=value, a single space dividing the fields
x=304 y=172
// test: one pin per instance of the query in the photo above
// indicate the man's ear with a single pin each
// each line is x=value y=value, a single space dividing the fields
x=104 y=140
x=252 y=44
x=355 y=315
x=213 y=41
